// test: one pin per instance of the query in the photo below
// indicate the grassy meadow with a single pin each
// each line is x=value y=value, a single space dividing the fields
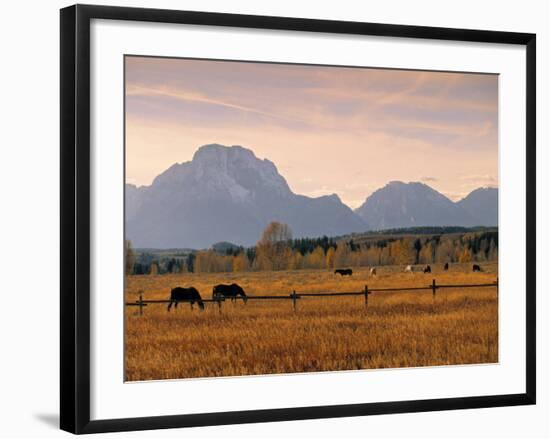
x=401 y=329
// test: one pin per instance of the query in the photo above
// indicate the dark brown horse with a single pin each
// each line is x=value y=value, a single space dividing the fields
x=228 y=291
x=190 y=295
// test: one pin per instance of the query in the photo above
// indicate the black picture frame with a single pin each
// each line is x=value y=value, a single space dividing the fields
x=75 y=217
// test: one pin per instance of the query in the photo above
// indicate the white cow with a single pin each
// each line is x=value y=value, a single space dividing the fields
x=409 y=269
x=373 y=271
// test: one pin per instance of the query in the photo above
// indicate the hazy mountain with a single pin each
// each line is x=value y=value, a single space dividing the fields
x=482 y=204
x=401 y=204
x=226 y=194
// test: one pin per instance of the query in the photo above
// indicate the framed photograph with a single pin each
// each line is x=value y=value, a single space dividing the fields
x=268 y=219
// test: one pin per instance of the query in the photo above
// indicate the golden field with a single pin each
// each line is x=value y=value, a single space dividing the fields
x=401 y=329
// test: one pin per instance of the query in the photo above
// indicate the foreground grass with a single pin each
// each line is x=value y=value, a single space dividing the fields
x=404 y=329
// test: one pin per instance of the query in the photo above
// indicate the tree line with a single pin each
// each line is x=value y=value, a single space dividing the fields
x=277 y=250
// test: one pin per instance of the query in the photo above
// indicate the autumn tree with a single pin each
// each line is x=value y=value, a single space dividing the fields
x=444 y=251
x=129 y=257
x=210 y=261
x=371 y=256
x=296 y=261
x=315 y=259
x=385 y=256
x=417 y=247
x=402 y=253
x=466 y=256
x=492 y=255
x=342 y=255
x=182 y=267
x=426 y=254
x=330 y=258
x=483 y=250
x=273 y=251
x=240 y=262
x=190 y=262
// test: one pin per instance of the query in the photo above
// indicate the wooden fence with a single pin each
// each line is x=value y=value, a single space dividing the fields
x=141 y=303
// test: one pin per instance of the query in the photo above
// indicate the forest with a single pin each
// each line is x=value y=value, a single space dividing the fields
x=277 y=250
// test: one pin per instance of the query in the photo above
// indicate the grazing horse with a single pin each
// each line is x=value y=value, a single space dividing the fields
x=476 y=267
x=446 y=266
x=344 y=272
x=228 y=291
x=372 y=271
x=427 y=269
x=409 y=269
x=190 y=295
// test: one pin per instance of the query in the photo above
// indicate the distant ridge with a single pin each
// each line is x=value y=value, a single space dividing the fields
x=399 y=205
x=430 y=230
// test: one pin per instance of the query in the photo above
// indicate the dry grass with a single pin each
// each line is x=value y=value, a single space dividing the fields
x=402 y=329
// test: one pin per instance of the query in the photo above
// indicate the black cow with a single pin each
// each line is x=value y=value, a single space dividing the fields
x=476 y=267
x=446 y=267
x=344 y=272
x=190 y=295
x=228 y=291
x=427 y=269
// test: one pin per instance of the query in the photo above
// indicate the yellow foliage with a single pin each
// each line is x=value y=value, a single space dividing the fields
x=272 y=250
x=315 y=259
x=240 y=262
x=466 y=256
x=402 y=253
x=342 y=255
x=296 y=261
x=330 y=258
x=210 y=261
x=426 y=254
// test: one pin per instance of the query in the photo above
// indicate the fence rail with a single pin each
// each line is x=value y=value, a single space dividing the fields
x=141 y=303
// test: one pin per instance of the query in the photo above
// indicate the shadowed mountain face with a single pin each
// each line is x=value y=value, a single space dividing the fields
x=226 y=194
x=482 y=204
x=400 y=204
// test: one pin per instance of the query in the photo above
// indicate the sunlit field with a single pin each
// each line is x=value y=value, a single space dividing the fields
x=401 y=329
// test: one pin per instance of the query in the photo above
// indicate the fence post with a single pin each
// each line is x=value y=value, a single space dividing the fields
x=366 y=296
x=294 y=299
x=140 y=304
x=434 y=287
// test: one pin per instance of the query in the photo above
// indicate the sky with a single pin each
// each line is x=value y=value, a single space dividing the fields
x=343 y=130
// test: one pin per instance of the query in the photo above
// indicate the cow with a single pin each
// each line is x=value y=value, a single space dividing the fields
x=373 y=271
x=344 y=271
x=446 y=266
x=476 y=267
x=427 y=269
x=190 y=295
x=228 y=291
x=409 y=269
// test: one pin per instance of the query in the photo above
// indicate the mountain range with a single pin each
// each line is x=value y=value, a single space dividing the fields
x=228 y=194
x=399 y=204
